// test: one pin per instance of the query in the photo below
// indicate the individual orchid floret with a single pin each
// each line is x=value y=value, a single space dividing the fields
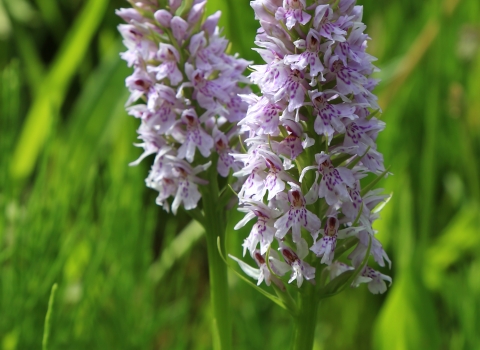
x=166 y=187
x=139 y=49
x=310 y=57
x=293 y=12
x=327 y=28
x=254 y=186
x=160 y=114
x=362 y=133
x=360 y=136
x=170 y=58
x=209 y=93
x=376 y=250
x=195 y=137
x=152 y=143
x=334 y=183
x=351 y=208
x=329 y=117
x=325 y=247
x=208 y=52
x=262 y=231
x=272 y=76
x=276 y=177
x=297 y=217
x=254 y=166
x=140 y=83
x=263 y=116
x=187 y=192
x=292 y=89
x=349 y=80
x=225 y=159
x=296 y=141
x=263 y=272
x=300 y=269
x=337 y=268
x=374 y=279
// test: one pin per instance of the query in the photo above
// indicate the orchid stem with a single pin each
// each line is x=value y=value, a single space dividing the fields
x=215 y=224
x=306 y=319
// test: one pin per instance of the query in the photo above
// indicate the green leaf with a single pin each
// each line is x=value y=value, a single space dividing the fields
x=272 y=297
x=340 y=159
x=345 y=245
x=357 y=159
x=175 y=250
x=45 y=107
x=412 y=311
x=458 y=240
x=283 y=294
x=373 y=183
x=335 y=286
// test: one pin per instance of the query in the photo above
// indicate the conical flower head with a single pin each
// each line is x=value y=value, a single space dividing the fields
x=315 y=113
x=184 y=89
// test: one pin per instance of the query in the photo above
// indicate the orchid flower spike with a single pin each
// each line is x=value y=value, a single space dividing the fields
x=312 y=142
x=184 y=89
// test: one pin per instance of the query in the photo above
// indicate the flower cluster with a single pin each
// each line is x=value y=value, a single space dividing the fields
x=184 y=89
x=312 y=138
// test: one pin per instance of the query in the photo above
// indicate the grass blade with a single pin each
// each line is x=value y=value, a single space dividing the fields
x=46 y=329
x=52 y=92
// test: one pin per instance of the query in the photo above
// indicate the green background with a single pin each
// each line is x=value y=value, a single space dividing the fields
x=132 y=277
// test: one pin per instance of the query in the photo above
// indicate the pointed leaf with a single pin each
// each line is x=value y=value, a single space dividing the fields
x=340 y=159
x=265 y=293
x=373 y=183
x=357 y=159
x=346 y=245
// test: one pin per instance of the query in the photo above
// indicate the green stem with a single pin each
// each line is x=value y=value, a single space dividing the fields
x=215 y=224
x=46 y=329
x=306 y=319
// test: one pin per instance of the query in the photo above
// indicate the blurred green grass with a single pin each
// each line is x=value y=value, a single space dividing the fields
x=72 y=212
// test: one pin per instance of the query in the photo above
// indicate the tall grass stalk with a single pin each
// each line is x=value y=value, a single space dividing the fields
x=48 y=316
